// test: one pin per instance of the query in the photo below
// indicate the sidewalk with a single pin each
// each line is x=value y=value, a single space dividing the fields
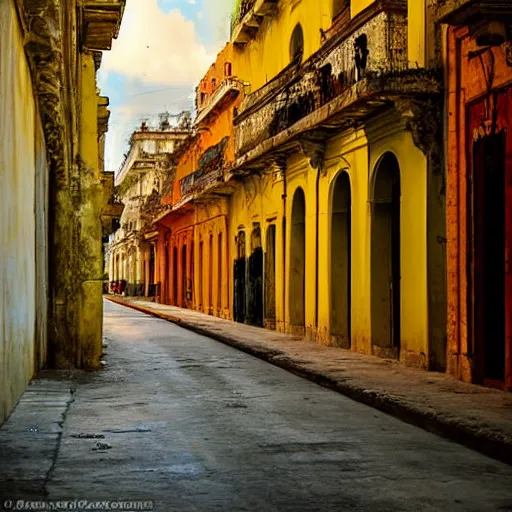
x=478 y=417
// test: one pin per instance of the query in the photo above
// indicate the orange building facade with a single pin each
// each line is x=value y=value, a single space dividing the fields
x=479 y=192
x=193 y=240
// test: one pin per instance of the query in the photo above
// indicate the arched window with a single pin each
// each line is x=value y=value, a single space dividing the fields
x=297 y=44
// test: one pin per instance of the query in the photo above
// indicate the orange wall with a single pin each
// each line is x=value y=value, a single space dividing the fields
x=466 y=83
x=216 y=72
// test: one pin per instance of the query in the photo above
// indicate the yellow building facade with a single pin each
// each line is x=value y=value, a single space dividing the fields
x=338 y=176
x=56 y=197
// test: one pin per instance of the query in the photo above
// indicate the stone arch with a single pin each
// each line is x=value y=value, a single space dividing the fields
x=385 y=257
x=341 y=260
x=297 y=291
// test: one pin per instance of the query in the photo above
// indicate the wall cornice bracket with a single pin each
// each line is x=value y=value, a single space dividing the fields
x=423 y=118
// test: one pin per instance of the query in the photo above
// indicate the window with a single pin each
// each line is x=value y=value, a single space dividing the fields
x=214 y=84
x=227 y=69
x=297 y=44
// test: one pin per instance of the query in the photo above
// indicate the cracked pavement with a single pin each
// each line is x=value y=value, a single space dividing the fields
x=193 y=424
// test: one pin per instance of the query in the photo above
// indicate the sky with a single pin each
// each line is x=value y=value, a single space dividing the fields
x=163 y=50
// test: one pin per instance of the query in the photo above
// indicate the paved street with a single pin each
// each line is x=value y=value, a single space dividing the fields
x=196 y=425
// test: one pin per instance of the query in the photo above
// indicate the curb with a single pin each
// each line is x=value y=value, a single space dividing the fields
x=495 y=446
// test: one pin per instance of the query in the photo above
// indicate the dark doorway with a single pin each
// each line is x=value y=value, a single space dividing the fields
x=219 y=275
x=201 y=262
x=166 y=291
x=175 y=276
x=297 y=293
x=385 y=259
x=255 y=298
x=341 y=262
x=192 y=273
x=210 y=277
x=152 y=268
x=489 y=265
x=239 y=280
x=270 y=279
x=184 y=283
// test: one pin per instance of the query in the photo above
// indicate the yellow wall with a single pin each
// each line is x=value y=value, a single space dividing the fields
x=386 y=134
x=269 y=53
x=416 y=33
x=18 y=123
x=259 y=199
x=90 y=300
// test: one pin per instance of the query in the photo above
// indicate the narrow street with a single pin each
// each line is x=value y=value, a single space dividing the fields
x=195 y=425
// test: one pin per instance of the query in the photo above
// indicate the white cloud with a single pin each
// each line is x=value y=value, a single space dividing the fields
x=157 y=47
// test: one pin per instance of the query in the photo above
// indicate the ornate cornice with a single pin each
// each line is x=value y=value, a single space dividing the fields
x=423 y=118
x=43 y=46
x=314 y=150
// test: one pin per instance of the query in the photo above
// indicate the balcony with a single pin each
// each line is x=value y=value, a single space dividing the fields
x=228 y=90
x=113 y=208
x=100 y=23
x=103 y=115
x=249 y=19
x=358 y=71
x=212 y=166
x=469 y=12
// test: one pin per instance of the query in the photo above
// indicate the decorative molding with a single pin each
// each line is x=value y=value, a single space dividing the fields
x=423 y=118
x=314 y=150
x=43 y=45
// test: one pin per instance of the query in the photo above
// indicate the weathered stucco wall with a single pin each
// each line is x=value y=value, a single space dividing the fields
x=18 y=125
x=471 y=75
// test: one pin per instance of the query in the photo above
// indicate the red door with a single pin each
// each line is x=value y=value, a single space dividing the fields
x=490 y=242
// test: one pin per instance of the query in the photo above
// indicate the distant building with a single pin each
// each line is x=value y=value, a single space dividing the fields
x=146 y=173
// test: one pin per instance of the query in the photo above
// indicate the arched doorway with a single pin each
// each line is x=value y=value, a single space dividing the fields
x=210 y=276
x=255 y=299
x=219 y=275
x=201 y=276
x=175 y=275
x=184 y=284
x=385 y=258
x=341 y=261
x=297 y=292
x=270 y=278
x=239 y=280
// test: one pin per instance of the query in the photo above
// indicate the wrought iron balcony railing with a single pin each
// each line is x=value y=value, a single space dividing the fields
x=230 y=87
x=346 y=72
x=212 y=165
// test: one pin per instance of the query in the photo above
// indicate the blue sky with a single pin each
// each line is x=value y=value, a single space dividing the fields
x=163 y=50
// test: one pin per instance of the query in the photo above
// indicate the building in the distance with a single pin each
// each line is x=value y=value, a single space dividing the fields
x=193 y=235
x=146 y=175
